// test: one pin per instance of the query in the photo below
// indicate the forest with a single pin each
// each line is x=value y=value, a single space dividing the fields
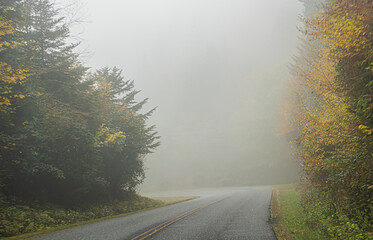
x=69 y=134
x=73 y=139
x=329 y=117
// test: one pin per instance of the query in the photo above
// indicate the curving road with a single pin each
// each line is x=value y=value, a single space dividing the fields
x=225 y=213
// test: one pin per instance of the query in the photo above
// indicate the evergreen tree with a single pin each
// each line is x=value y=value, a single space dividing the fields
x=12 y=76
x=68 y=138
x=53 y=118
x=123 y=134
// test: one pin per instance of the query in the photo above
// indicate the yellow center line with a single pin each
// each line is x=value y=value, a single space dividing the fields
x=171 y=221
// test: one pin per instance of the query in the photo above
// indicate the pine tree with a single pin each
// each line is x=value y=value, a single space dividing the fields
x=122 y=131
x=74 y=139
x=45 y=36
x=52 y=121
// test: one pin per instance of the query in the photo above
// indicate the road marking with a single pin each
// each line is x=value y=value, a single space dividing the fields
x=173 y=220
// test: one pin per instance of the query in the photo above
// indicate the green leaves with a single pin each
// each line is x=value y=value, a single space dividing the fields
x=74 y=137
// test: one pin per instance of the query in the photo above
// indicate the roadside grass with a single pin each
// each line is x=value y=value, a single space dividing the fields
x=75 y=218
x=289 y=221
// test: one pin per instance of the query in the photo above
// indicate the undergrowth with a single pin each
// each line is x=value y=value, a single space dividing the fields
x=18 y=217
x=306 y=214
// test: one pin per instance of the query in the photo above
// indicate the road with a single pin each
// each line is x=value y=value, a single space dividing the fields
x=225 y=213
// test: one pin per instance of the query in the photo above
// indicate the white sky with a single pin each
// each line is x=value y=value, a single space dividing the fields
x=216 y=70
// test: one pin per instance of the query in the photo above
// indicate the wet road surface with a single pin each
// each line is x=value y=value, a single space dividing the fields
x=224 y=213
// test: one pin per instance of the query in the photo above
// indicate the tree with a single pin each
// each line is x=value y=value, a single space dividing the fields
x=333 y=137
x=51 y=131
x=12 y=77
x=69 y=137
x=122 y=136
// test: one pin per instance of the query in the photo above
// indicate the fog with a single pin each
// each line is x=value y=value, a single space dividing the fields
x=215 y=70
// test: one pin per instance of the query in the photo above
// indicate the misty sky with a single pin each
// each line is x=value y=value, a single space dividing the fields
x=216 y=70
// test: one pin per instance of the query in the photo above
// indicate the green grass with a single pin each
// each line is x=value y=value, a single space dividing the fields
x=292 y=221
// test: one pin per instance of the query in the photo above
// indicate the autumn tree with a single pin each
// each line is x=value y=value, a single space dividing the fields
x=332 y=115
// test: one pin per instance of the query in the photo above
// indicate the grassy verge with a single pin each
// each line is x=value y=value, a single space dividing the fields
x=26 y=222
x=289 y=219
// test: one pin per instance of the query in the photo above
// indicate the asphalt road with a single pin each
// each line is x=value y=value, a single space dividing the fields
x=226 y=213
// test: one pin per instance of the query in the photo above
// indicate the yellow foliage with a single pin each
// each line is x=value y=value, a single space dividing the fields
x=105 y=136
x=333 y=141
x=326 y=124
x=344 y=32
x=366 y=130
x=6 y=28
x=9 y=77
x=112 y=137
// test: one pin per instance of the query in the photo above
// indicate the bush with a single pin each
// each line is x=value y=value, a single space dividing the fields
x=325 y=214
